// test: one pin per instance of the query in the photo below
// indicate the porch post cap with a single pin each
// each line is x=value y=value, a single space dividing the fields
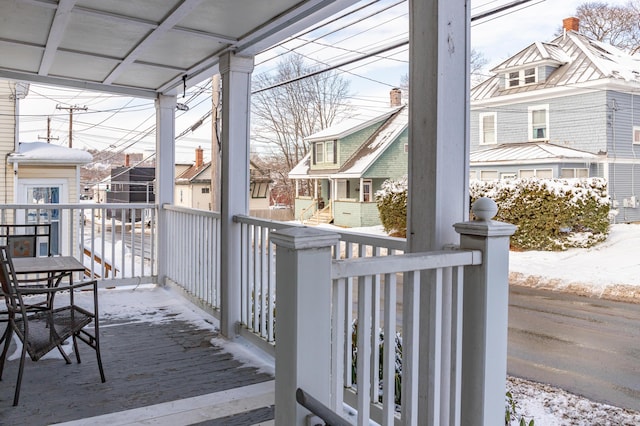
x=301 y=238
x=485 y=228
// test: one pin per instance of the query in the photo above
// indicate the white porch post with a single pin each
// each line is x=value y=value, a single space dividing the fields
x=165 y=174
x=236 y=105
x=438 y=182
x=303 y=352
x=485 y=317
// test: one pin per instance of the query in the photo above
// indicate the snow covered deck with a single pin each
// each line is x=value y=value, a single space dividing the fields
x=164 y=365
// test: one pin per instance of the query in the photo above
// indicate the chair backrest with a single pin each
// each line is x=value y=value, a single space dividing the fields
x=26 y=240
x=9 y=281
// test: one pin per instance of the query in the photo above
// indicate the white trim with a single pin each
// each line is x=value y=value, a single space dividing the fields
x=481 y=117
x=530 y=111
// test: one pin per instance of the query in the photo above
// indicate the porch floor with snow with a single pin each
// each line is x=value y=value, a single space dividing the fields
x=161 y=365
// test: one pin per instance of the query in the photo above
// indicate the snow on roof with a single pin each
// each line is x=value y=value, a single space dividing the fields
x=579 y=59
x=301 y=170
x=46 y=153
x=375 y=146
x=519 y=152
x=353 y=124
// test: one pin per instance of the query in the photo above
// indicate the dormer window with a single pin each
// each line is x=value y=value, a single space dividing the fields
x=522 y=77
x=324 y=152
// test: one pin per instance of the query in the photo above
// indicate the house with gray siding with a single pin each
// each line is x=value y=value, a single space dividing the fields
x=569 y=108
x=347 y=163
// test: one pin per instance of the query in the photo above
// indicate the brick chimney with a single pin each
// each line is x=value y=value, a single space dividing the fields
x=571 y=24
x=127 y=160
x=395 y=97
x=199 y=157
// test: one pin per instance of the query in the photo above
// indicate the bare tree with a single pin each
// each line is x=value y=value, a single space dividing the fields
x=617 y=25
x=293 y=108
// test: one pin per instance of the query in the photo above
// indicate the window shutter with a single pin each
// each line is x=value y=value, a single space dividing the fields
x=348 y=189
x=335 y=156
x=313 y=153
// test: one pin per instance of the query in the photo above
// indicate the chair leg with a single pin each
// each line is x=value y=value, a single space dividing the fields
x=16 y=396
x=75 y=348
x=8 y=333
x=63 y=353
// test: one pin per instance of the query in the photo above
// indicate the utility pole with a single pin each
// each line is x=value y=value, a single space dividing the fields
x=71 y=109
x=49 y=138
x=215 y=143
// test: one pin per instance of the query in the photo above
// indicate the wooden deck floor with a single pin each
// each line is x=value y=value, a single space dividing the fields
x=161 y=368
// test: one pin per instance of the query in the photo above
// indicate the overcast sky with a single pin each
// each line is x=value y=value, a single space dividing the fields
x=119 y=122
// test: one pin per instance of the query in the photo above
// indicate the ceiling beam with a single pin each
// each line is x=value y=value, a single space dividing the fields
x=56 y=32
x=179 y=13
x=78 y=84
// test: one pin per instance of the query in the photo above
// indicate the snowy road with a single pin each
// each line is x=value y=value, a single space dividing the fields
x=587 y=346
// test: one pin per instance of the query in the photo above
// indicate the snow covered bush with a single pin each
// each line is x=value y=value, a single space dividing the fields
x=391 y=200
x=551 y=214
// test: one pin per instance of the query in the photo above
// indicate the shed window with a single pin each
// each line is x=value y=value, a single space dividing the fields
x=488 y=175
x=574 y=173
x=636 y=134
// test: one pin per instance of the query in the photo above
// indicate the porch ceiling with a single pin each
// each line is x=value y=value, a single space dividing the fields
x=141 y=47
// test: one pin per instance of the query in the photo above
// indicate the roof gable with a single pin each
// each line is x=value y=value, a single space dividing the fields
x=195 y=173
x=580 y=60
x=351 y=125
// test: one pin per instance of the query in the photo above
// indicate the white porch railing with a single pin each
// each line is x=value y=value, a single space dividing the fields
x=258 y=287
x=315 y=335
x=194 y=254
x=115 y=242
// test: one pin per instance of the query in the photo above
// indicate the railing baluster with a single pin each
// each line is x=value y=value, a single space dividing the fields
x=363 y=365
x=410 y=323
x=340 y=333
x=389 y=351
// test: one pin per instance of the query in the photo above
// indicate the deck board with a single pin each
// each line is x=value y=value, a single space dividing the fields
x=146 y=363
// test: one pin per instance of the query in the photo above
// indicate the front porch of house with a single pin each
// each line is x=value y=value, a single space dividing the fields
x=165 y=364
x=444 y=289
x=320 y=286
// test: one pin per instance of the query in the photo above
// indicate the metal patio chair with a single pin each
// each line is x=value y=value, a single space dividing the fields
x=44 y=327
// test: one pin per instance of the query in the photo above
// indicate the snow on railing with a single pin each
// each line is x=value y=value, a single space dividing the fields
x=115 y=242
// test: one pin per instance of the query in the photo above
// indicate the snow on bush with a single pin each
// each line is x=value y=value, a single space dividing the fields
x=551 y=214
x=391 y=200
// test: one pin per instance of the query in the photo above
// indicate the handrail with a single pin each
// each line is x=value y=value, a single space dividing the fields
x=317 y=408
x=314 y=203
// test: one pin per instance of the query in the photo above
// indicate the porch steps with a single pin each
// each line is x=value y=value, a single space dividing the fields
x=233 y=406
x=319 y=217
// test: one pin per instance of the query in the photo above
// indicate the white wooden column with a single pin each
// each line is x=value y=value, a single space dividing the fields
x=485 y=317
x=236 y=105
x=165 y=175
x=303 y=352
x=438 y=177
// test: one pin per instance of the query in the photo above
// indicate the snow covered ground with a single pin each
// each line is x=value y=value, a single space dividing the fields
x=611 y=270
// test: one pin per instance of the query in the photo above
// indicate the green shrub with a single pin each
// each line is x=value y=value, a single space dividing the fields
x=551 y=214
x=391 y=200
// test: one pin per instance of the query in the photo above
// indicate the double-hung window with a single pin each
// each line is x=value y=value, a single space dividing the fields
x=325 y=152
x=487 y=128
x=539 y=122
x=522 y=77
